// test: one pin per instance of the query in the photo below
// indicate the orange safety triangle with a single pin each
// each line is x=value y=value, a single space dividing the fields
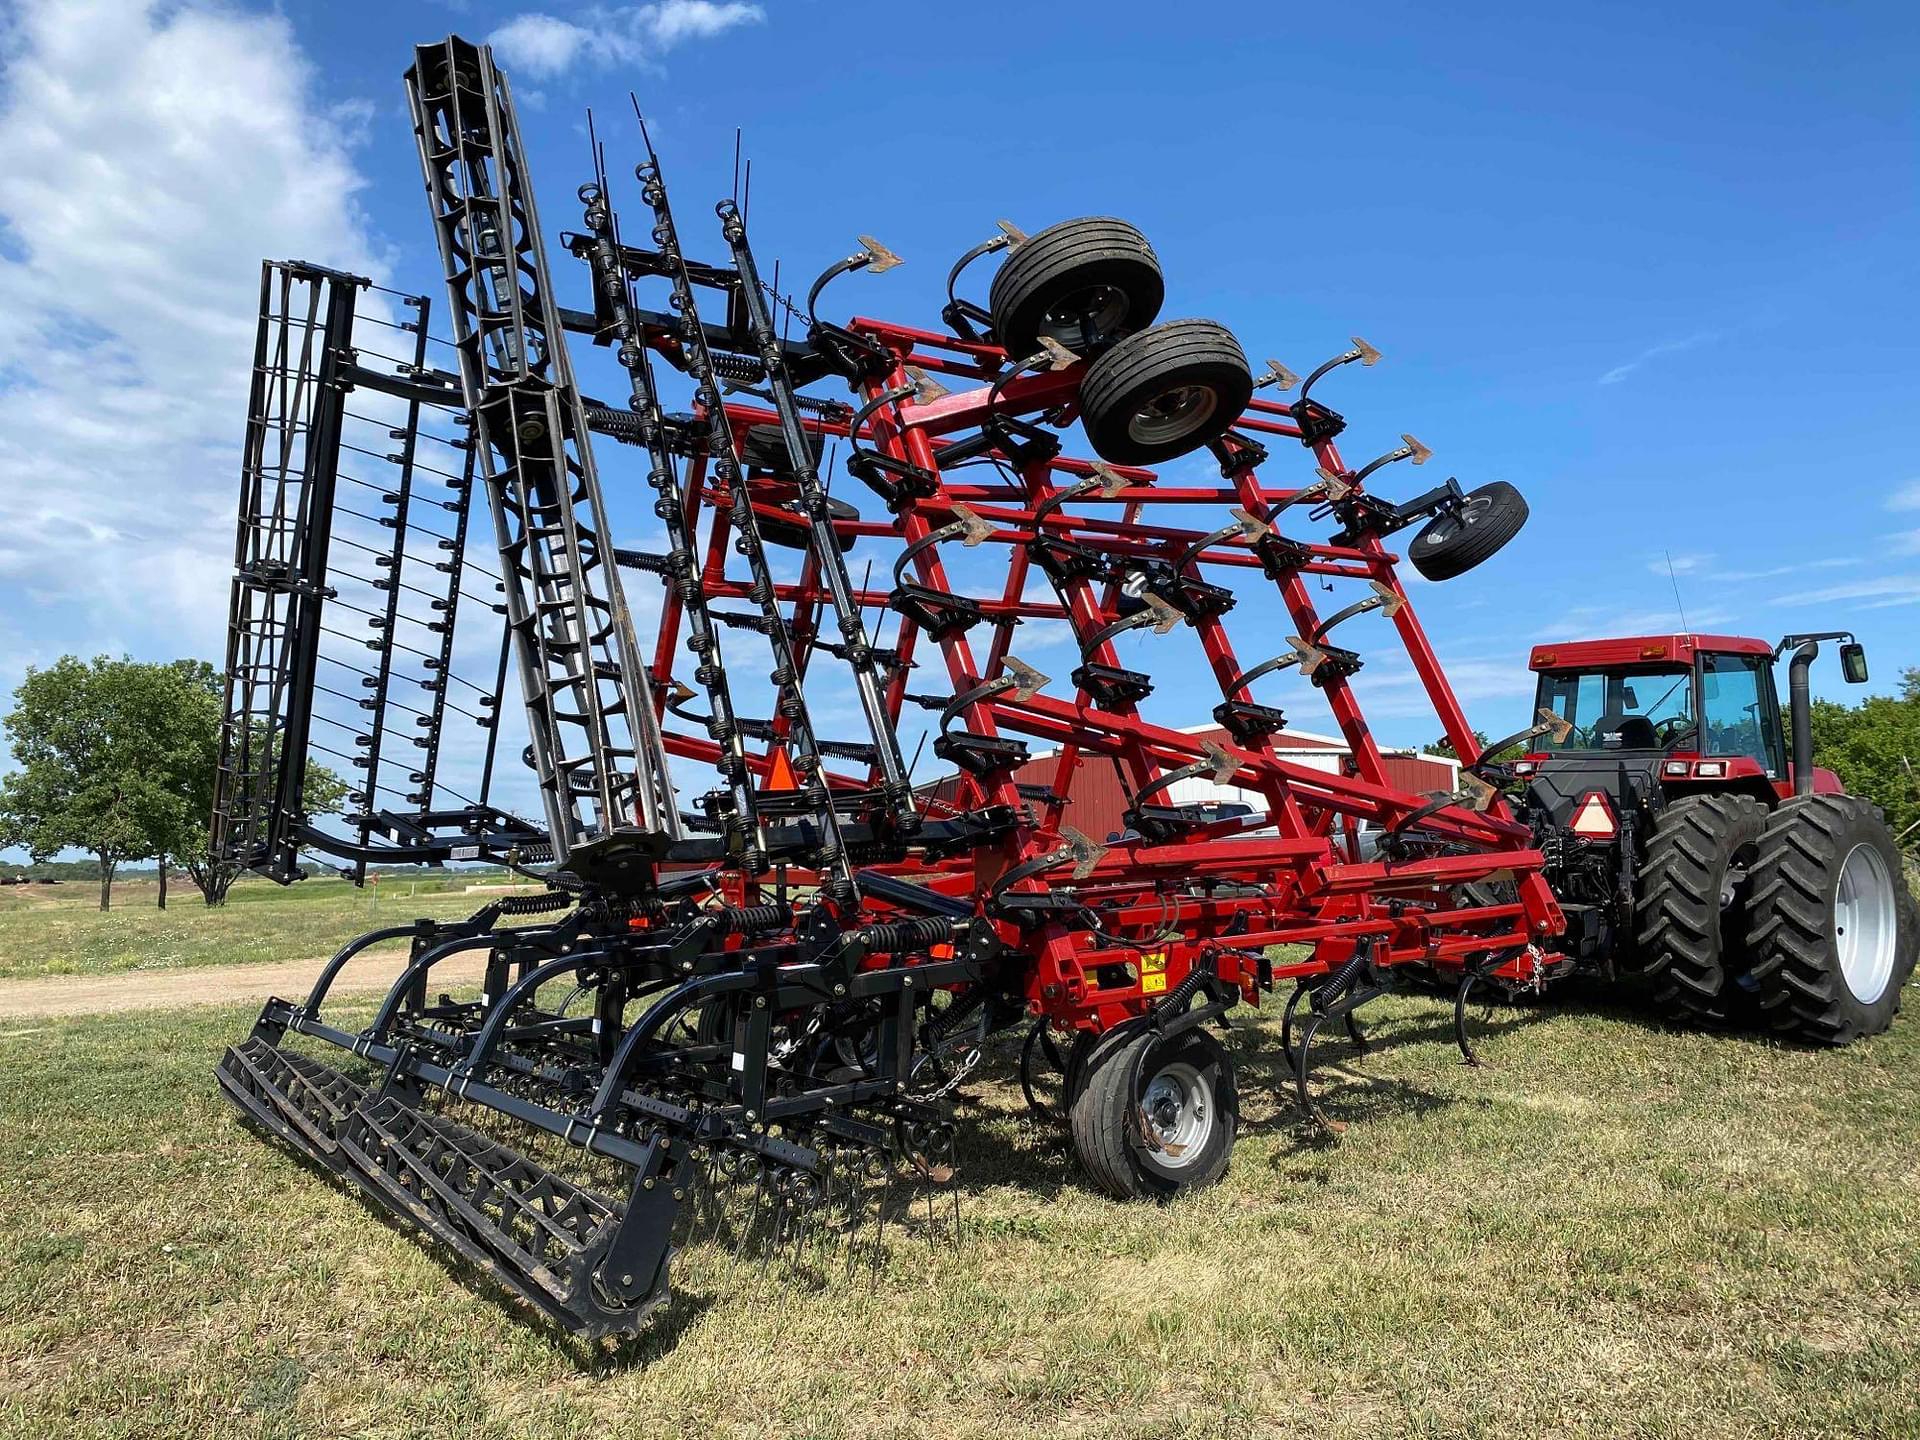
x=782 y=777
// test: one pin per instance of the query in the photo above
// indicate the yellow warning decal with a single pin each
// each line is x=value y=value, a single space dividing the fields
x=1153 y=972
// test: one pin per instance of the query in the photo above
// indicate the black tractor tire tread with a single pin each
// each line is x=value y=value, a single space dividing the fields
x=1047 y=256
x=1098 y=1118
x=1176 y=344
x=1681 y=944
x=1801 y=993
x=1475 y=544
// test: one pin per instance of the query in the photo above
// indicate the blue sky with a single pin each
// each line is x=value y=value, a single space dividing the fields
x=1655 y=265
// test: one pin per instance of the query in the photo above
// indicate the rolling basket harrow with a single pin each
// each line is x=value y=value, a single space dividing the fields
x=765 y=960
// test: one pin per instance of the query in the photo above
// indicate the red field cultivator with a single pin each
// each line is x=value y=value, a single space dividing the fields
x=765 y=959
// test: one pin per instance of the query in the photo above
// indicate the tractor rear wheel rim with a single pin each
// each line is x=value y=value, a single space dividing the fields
x=1178 y=1111
x=1172 y=415
x=1864 y=925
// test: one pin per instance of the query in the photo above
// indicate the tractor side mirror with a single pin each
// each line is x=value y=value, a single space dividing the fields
x=1853 y=663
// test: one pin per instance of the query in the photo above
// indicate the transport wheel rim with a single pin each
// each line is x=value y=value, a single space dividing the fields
x=1172 y=415
x=1445 y=527
x=1864 y=930
x=1098 y=309
x=1177 y=1109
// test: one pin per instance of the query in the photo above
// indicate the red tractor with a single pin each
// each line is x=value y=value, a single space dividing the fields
x=1697 y=849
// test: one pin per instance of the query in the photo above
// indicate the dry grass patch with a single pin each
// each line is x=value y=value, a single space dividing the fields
x=1615 y=1230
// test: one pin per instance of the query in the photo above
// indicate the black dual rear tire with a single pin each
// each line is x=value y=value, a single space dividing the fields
x=1832 y=928
x=1451 y=544
x=1084 y=283
x=1151 y=1118
x=1690 y=918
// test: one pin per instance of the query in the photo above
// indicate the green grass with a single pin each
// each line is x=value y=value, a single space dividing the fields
x=59 y=930
x=1613 y=1230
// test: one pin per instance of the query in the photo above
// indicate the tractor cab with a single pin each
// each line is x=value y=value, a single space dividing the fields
x=1639 y=717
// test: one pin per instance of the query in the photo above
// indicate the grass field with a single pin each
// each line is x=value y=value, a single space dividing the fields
x=60 y=930
x=1613 y=1230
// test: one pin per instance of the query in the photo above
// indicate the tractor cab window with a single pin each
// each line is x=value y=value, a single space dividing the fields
x=1628 y=708
x=1736 y=696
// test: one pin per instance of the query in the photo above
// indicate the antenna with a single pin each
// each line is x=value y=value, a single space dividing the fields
x=1678 y=604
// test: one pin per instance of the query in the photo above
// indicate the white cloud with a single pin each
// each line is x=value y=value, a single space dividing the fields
x=1907 y=544
x=1907 y=497
x=1688 y=564
x=1590 y=622
x=675 y=20
x=545 y=46
x=1665 y=347
x=144 y=180
x=1797 y=567
x=540 y=44
x=1884 y=591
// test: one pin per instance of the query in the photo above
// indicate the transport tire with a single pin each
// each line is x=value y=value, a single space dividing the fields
x=1084 y=283
x=764 y=447
x=1450 y=545
x=1183 y=1098
x=1164 y=392
x=1690 y=917
x=1831 y=925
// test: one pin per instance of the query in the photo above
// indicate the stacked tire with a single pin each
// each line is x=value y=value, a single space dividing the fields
x=1151 y=392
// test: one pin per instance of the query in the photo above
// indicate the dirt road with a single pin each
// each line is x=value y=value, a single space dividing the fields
x=59 y=995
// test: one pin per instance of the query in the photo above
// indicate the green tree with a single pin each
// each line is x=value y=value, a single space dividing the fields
x=119 y=758
x=323 y=792
x=1874 y=747
x=94 y=743
x=1444 y=746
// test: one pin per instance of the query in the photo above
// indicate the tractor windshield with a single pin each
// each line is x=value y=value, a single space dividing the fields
x=1628 y=707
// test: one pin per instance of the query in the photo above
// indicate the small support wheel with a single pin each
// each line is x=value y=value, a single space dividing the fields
x=1452 y=543
x=1164 y=392
x=1083 y=283
x=1154 y=1117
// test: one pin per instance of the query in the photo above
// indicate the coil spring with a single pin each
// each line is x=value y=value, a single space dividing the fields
x=750 y=919
x=898 y=936
x=534 y=904
x=1343 y=980
x=1176 y=999
x=740 y=369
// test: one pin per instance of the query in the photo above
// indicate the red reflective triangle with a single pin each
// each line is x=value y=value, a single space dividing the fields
x=1594 y=819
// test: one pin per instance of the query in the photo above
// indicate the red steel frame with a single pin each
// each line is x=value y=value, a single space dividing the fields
x=1298 y=886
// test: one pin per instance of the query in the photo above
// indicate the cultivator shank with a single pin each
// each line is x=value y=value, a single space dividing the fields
x=766 y=960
